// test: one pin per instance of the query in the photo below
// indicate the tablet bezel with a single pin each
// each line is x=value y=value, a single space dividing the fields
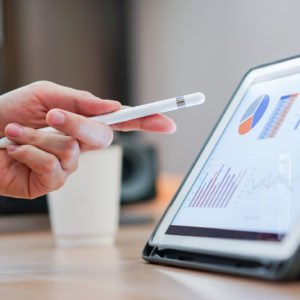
x=256 y=249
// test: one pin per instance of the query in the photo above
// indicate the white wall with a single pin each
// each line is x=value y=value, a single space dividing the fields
x=183 y=46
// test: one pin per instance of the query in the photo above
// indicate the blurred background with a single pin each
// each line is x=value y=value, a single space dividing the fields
x=138 y=51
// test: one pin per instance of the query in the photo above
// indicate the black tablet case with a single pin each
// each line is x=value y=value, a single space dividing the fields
x=208 y=261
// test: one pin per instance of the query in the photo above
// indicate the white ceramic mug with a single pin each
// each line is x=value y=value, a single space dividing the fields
x=85 y=211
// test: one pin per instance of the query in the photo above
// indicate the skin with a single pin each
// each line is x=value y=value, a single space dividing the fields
x=40 y=162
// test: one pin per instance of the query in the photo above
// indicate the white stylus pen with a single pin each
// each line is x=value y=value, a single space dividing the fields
x=136 y=112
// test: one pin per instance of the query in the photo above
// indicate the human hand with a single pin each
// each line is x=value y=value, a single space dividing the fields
x=41 y=162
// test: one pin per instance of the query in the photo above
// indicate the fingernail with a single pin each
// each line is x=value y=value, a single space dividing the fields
x=12 y=148
x=57 y=118
x=173 y=128
x=14 y=130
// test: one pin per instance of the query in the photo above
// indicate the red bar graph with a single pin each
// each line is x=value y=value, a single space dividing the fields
x=216 y=190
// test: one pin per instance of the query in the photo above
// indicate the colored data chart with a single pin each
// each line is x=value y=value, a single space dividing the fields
x=278 y=116
x=253 y=114
x=217 y=190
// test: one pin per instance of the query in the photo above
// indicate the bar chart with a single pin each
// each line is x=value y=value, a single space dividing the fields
x=217 y=189
x=278 y=116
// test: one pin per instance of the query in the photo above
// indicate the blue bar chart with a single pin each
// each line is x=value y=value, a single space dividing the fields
x=278 y=116
x=217 y=189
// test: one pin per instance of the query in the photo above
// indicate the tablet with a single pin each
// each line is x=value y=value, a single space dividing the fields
x=238 y=209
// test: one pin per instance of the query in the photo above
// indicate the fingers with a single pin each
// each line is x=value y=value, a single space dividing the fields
x=44 y=165
x=65 y=148
x=90 y=134
x=86 y=104
x=81 y=102
x=153 y=123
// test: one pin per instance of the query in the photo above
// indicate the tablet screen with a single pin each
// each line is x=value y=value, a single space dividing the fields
x=249 y=188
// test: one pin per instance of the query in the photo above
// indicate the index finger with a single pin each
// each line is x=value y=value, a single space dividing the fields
x=53 y=95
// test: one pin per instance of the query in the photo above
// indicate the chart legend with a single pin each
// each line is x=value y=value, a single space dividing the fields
x=297 y=126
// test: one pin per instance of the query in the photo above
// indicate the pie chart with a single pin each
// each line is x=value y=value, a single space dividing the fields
x=253 y=114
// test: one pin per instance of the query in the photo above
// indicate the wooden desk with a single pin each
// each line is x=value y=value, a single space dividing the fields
x=32 y=268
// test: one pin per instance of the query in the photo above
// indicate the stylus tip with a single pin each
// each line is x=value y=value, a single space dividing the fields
x=194 y=99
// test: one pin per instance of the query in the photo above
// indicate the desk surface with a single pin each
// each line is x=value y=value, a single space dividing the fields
x=32 y=268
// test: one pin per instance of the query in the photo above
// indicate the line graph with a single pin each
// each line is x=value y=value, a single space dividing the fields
x=269 y=183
